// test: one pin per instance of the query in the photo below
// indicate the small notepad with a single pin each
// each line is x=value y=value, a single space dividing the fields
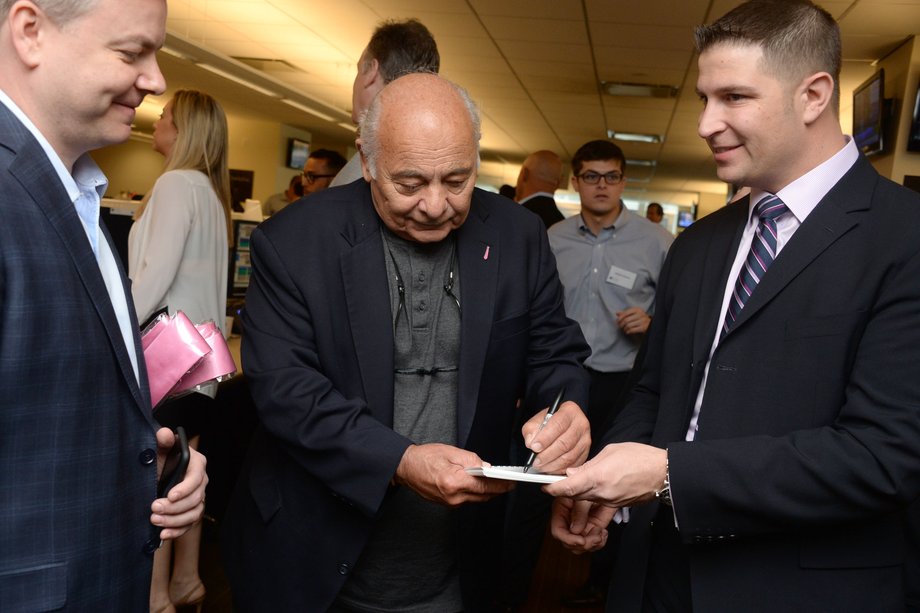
x=513 y=473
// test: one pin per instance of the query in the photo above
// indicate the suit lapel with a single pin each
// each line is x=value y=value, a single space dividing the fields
x=478 y=254
x=142 y=393
x=720 y=250
x=367 y=297
x=364 y=274
x=830 y=220
x=33 y=170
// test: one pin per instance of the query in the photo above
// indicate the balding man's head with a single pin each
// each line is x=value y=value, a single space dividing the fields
x=419 y=148
x=540 y=172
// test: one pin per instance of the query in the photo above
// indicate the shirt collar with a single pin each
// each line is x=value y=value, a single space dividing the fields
x=803 y=195
x=621 y=220
x=535 y=195
x=85 y=170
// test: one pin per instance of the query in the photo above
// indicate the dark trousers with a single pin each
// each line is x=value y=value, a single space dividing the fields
x=526 y=519
x=605 y=399
x=667 y=584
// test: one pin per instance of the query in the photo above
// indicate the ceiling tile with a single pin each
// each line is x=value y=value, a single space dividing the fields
x=536 y=30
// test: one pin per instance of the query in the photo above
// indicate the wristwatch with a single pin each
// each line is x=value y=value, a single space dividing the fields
x=664 y=494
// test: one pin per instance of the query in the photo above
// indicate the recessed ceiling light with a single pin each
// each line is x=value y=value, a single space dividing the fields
x=635 y=137
x=651 y=163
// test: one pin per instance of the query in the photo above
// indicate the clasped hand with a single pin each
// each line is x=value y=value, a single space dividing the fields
x=622 y=474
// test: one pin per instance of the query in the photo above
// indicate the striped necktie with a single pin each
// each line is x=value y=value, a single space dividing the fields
x=761 y=255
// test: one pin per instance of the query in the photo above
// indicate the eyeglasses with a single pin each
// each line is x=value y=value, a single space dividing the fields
x=309 y=177
x=593 y=178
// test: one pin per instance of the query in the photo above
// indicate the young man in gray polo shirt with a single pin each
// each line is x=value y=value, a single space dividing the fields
x=608 y=259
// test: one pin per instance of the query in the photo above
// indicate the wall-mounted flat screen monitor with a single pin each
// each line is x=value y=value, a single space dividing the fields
x=913 y=139
x=684 y=219
x=869 y=114
x=240 y=264
x=297 y=153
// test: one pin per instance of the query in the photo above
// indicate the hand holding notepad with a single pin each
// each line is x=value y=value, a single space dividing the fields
x=513 y=473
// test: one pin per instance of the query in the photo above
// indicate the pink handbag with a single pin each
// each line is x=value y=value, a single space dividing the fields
x=181 y=356
x=215 y=366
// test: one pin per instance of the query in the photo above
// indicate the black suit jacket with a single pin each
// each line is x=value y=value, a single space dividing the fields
x=77 y=443
x=318 y=350
x=546 y=208
x=809 y=434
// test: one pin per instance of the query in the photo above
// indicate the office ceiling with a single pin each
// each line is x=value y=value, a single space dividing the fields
x=534 y=66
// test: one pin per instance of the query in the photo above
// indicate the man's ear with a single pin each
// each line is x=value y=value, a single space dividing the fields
x=27 y=23
x=365 y=169
x=370 y=76
x=816 y=93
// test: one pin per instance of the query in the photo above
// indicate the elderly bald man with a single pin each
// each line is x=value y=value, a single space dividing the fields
x=391 y=328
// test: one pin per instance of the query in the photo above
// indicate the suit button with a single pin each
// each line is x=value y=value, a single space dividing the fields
x=344 y=568
x=151 y=545
x=147 y=457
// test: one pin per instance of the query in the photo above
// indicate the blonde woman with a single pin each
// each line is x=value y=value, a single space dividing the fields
x=177 y=259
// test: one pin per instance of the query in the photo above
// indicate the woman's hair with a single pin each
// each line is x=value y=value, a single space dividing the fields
x=201 y=142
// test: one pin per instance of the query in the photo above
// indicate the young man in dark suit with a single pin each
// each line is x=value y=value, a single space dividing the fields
x=775 y=427
x=79 y=449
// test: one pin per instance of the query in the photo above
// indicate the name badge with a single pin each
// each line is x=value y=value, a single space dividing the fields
x=621 y=277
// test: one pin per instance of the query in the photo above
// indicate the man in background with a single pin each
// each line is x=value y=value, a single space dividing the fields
x=537 y=181
x=276 y=202
x=609 y=260
x=79 y=449
x=774 y=430
x=320 y=168
x=654 y=213
x=396 y=48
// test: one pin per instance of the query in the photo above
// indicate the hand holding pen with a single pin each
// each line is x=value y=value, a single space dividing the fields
x=552 y=411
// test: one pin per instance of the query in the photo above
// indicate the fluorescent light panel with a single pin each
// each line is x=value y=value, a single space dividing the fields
x=307 y=109
x=640 y=90
x=635 y=137
x=174 y=53
x=240 y=80
x=348 y=126
x=651 y=163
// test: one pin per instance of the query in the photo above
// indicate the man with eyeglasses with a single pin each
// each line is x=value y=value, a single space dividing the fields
x=608 y=259
x=319 y=169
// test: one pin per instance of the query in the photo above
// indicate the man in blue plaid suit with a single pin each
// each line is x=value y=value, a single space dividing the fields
x=79 y=450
